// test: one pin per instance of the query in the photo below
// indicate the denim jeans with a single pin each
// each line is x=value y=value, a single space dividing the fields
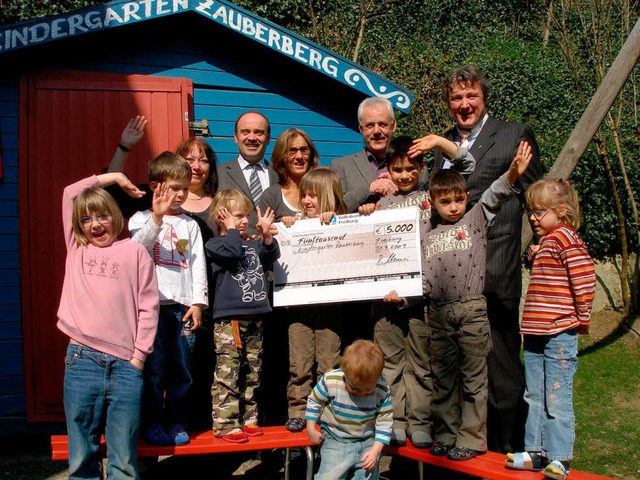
x=338 y=458
x=167 y=376
x=101 y=394
x=550 y=364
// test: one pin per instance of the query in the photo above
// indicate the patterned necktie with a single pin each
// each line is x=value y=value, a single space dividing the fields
x=255 y=187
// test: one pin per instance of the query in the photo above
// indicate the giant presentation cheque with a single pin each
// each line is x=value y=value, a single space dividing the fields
x=355 y=257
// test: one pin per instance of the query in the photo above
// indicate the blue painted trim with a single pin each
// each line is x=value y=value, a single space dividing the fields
x=285 y=42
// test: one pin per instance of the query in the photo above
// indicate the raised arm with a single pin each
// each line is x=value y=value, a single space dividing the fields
x=130 y=136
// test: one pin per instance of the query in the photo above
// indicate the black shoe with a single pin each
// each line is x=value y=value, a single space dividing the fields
x=462 y=453
x=440 y=449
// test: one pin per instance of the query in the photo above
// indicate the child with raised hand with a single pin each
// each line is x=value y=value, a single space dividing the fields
x=109 y=310
x=403 y=334
x=174 y=242
x=240 y=303
x=315 y=332
x=353 y=406
x=454 y=256
x=557 y=307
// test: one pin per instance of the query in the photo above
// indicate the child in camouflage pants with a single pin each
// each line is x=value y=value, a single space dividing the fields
x=240 y=302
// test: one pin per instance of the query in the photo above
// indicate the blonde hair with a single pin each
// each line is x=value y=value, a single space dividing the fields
x=362 y=362
x=325 y=184
x=226 y=199
x=95 y=201
x=553 y=193
x=168 y=165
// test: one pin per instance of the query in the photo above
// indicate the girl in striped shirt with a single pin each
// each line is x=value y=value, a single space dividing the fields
x=557 y=307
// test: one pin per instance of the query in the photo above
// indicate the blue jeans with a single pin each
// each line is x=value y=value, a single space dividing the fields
x=167 y=375
x=101 y=394
x=550 y=364
x=338 y=458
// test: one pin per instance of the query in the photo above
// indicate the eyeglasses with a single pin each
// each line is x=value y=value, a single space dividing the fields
x=102 y=218
x=304 y=151
x=539 y=214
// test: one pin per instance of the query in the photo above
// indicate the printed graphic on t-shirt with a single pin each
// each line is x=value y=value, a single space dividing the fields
x=249 y=276
x=102 y=268
x=169 y=251
x=457 y=238
x=422 y=201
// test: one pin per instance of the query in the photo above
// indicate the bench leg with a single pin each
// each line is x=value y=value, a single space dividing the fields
x=309 y=453
x=287 y=462
x=421 y=470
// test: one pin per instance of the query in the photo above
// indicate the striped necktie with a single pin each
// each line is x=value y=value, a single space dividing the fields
x=255 y=187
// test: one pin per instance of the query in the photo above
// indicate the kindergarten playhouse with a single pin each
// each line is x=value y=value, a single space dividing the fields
x=71 y=82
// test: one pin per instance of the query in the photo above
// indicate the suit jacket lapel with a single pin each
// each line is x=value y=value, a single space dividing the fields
x=237 y=177
x=362 y=165
x=485 y=139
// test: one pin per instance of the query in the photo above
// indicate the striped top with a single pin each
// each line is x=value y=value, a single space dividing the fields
x=348 y=417
x=562 y=285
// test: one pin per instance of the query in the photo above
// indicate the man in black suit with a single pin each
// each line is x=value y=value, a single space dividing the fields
x=493 y=143
x=252 y=135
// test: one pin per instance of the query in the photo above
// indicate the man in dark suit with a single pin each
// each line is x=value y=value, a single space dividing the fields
x=493 y=143
x=364 y=173
x=252 y=135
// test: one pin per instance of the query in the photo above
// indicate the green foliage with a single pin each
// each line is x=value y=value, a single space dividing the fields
x=416 y=42
x=14 y=11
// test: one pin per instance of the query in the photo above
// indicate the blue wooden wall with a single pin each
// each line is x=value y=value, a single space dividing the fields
x=230 y=73
x=12 y=388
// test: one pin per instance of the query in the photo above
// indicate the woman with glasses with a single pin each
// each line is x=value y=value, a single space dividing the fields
x=293 y=155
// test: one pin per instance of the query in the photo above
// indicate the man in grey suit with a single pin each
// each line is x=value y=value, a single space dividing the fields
x=493 y=143
x=364 y=173
x=252 y=135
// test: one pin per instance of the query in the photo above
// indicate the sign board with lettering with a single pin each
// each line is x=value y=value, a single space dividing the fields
x=355 y=257
x=119 y=13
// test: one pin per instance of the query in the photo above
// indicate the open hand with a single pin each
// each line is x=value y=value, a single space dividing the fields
x=134 y=131
x=265 y=221
x=520 y=162
x=163 y=197
x=225 y=217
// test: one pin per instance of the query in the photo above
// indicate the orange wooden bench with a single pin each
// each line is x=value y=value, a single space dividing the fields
x=489 y=465
x=205 y=443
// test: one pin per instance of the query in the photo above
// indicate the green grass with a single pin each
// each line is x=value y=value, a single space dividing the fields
x=607 y=406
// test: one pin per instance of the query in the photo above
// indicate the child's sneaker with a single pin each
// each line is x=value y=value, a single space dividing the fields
x=157 y=435
x=179 y=434
x=252 y=430
x=235 y=436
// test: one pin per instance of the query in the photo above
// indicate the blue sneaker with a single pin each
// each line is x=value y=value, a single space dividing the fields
x=179 y=434
x=157 y=435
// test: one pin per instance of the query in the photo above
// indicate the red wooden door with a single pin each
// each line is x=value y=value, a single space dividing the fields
x=69 y=127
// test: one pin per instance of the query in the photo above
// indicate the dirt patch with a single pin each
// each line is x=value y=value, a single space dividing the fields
x=608 y=324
